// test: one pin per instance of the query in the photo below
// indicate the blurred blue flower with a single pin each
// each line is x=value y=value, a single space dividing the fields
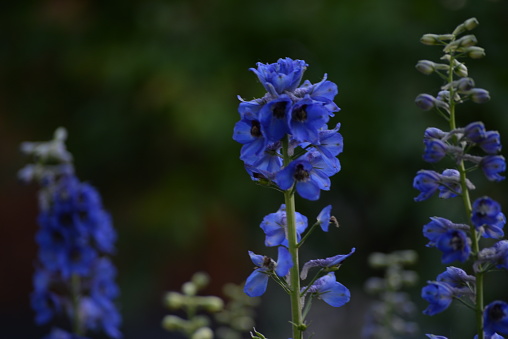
x=427 y=182
x=432 y=336
x=329 y=290
x=57 y=333
x=495 y=317
x=475 y=132
x=491 y=143
x=457 y=278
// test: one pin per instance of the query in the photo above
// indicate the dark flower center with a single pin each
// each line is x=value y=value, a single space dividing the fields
x=255 y=129
x=268 y=263
x=301 y=174
x=456 y=242
x=279 y=109
x=300 y=114
x=496 y=312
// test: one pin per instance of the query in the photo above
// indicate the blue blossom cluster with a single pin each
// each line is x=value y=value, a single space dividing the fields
x=469 y=148
x=74 y=275
x=325 y=287
x=295 y=113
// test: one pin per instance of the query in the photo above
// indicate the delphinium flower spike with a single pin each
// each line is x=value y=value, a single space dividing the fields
x=470 y=147
x=74 y=275
x=287 y=145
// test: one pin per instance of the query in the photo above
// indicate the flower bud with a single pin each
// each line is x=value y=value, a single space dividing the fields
x=211 y=303
x=200 y=279
x=474 y=52
x=174 y=300
x=173 y=323
x=465 y=41
x=425 y=66
x=425 y=101
x=202 y=333
x=460 y=69
x=465 y=84
x=435 y=39
x=189 y=288
x=479 y=95
x=467 y=25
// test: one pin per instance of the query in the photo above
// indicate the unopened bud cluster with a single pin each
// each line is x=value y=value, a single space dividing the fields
x=449 y=67
x=196 y=326
x=387 y=317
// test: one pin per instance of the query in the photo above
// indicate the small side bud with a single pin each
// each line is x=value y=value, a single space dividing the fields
x=430 y=39
x=479 y=95
x=189 y=288
x=211 y=303
x=460 y=69
x=202 y=333
x=173 y=323
x=465 y=84
x=200 y=279
x=425 y=66
x=378 y=260
x=467 y=25
x=425 y=101
x=174 y=300
x=474 y=52
x=465 y=41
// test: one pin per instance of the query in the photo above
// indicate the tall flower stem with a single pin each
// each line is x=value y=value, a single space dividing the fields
x=468 y=209
x=296 y=303
x=77 y=325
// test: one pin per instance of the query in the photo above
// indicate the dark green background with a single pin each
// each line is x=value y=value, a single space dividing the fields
x=147 y=91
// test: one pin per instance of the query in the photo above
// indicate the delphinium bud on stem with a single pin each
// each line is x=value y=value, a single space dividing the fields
x=288 y=146
x=471 y=147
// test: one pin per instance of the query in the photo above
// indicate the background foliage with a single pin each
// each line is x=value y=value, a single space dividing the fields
x=147 y=91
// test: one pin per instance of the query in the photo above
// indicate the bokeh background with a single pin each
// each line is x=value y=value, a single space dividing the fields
x=147 y=91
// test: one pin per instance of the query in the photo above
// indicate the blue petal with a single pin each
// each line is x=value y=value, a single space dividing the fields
x=308 y=190
x=284 y=262
x=324 y=218
x=256 y=283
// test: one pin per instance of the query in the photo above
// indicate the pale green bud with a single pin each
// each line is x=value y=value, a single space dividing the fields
x=474 y=52
x=467 y=25
x=174 y=300
x=465 y=41
x=409 y=278
x=173 y=323
x=435 y=39
x=199 y=321
x=211 y=303
x=202 y=333
x=378 y=260
x=460 y=69
x=200 y=279
x=425 y=66
x=406 y=257
x=189 y=288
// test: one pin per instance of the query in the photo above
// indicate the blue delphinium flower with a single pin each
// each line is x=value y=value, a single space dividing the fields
x=257 y=281
x=57 y=333
x=495 y=318
x=439 y=296
x=294 y=113
x=492 y=165
x=332 y=262
x=457 y=278
x=437 y=227
x=308 y=173
x=328 y=289
x=73 y=275
x=496 y=256
x=283 y=76
x=435 y=150
x=455 y=245
x=487 y=217
x=275 y=227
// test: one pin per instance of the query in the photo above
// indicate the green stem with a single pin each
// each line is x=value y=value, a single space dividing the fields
x=75 y=291
x=468 y=209
x=294 y=274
